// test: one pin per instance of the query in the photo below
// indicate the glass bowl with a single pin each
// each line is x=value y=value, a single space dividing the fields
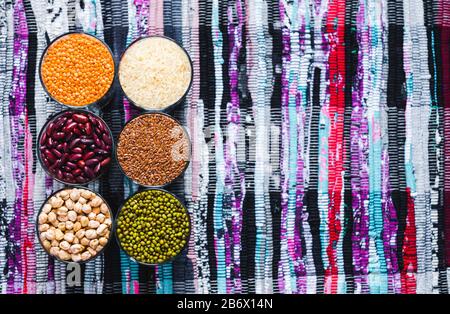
x=111 y=231
x=186 y=239
x=169 y=107
x=100 y=102
x=188 y=160
x=43 y=144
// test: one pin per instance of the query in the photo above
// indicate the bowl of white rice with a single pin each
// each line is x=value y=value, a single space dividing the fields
x=155 y=73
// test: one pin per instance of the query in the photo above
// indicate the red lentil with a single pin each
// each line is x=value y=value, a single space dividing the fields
x=77 y=69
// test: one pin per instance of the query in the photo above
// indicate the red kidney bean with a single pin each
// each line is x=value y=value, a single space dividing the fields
x=92 y=162
x=69 y=127
x=77 y=172
x=81 y=179
x=80 y=118
x=69 y=137
x=99 y=151
x=105 y=161
x=65 y=158
x=81 y=164
x=49 y=155
x=46 y=162
x=97 y=168
x=60 y=122
x=86 y=141
x=88 y=155
x=50 y=128
x=50 y=142
x=56 y=152
x=76 y=157
x=106 y=139
x=71 y=165
x=69 y=176
x=59 y=174
x=58 y=135
x=101 y=126
x=43 y=138
x=97 y=131
x=77 y=131
x=55 y=165
x=88 y=171
x=88 y=128
x=74 y=143
x=77 y=150
x=97 y=141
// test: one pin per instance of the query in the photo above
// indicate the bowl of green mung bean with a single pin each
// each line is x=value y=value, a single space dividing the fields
x=153 y=226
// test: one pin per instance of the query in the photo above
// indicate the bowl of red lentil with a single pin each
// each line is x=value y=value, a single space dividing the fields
x=78 y=70
x=153 y=149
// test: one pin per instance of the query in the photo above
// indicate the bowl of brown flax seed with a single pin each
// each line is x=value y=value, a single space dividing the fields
x=153 y=149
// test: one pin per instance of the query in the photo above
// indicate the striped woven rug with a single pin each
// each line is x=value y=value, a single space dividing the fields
x=320 y=132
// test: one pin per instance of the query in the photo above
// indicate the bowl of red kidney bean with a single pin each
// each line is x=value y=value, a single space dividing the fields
x=75 y=147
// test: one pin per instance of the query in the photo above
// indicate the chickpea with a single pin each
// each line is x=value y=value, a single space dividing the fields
x=63 y=255
x=76 y=257
x=86 y=194
x=84 y=221
x=80 y=234
x=100 y=218
x=75 y=195
x=76 y=248
x=84 y=241
x=85 y=256
x=82 y=201
x=50 y=235
x=43 y=227
x=104 y=209
x=69 y=237
x=54 y=251
x=64 y=194
x=69 y=225
x=70 y=204
x=77 y=208
x=91 y=234
x=93 y=243
x=51 y=217
x=47 y=244
x=96 y=202
x=102 y=229
x=72 y=215
x=64 y=245
x=86 y=208
x=76 y=226
x=62 y=226
x=56 y=202
x=93 y=224
x=103 y=241
x=47 y=208
x=59 y=235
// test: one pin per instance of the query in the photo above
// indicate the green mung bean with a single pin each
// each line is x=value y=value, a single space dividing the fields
x=153 y=226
